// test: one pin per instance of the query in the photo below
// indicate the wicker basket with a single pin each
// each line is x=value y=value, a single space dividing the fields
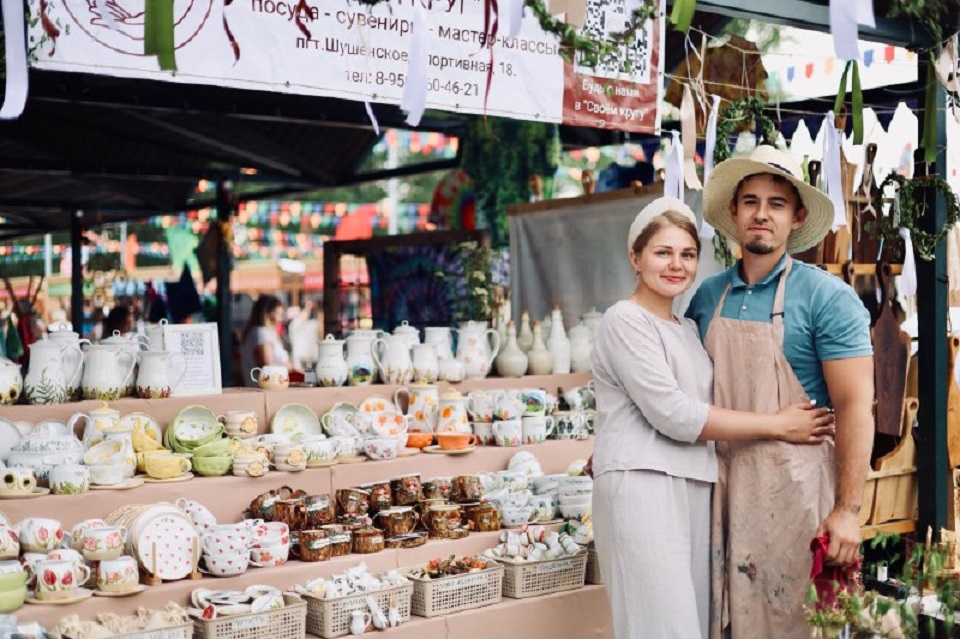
x=330 y=618
x=183 y=631
x=593 y=567
x=542 y=577
x=288 y=622
x=434 y=597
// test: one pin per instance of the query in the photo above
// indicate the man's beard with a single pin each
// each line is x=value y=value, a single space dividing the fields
x=758 y=248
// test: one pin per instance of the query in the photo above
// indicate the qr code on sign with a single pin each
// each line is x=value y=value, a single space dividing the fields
x=191 y=344
x=630 y=60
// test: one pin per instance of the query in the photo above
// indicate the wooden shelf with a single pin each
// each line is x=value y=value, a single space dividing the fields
x=901 y=527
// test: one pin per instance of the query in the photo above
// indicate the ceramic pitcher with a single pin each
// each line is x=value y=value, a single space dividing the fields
x=133 y=344
x=65 y=336
x=476 y=348
x=155 y=335
x=11 y=382
x=331 y=365
x=361 y=369
x=423 y=407
x=160 y=372
x=53 y=369
x=425 y=366
x=453 y=413
x=395 y=364
x=108 y=372
x=442 y=339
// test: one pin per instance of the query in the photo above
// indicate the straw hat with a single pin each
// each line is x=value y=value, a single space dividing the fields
x=723 y=181
x=656 y=208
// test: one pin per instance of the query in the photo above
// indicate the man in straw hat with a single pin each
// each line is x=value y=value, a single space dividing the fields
x=779 y=332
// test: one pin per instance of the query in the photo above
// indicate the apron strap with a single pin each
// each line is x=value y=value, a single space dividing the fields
x=777 y=314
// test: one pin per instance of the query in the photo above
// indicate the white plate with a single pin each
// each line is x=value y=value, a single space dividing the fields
x=9 y=436
x=295 y=419
x=376 y=404
x=143 y=423
x=174 y=538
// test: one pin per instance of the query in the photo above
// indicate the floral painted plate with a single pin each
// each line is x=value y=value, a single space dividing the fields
x=376 y=404
x=143 y=423
x=295 y=419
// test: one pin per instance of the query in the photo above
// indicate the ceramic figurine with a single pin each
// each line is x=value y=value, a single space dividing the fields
x=558 y=344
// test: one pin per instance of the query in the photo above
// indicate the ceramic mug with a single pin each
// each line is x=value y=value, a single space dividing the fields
x=508 y=432
x=166 y=466
x=398 y=521
x=40 y=535
x=508 y=405
x=480 y=405
x=242 y=423
x=484 y=432
x=579 y=397
x=58 y=579
x=103 y=543
x=118 y=575
x=9 y=542
x=438 y=488
x=320 y=510
x=442 y=517
x=353 y=501
x=314 y=545
x=406 y=489
x=467 y=488
x=108 y=474
x=381 y=495
x=292 y=512
x=69 y=479
x=570 y=425
x=17 y=480
x=271 y=377
x=536 y=428
x=535 y=401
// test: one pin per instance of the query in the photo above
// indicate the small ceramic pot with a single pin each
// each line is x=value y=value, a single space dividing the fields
x=104 y=543
x=118 y=575
x=407 y=489
x=320 y=510
x=69 y=479
x=398 y=521
x=483 y=517
x=353 y=501
x=341 y=539
x=442 y=517
x=315 y=545
x=467 y=488
x=58 y=579
x=292 y=512
x=368 y=540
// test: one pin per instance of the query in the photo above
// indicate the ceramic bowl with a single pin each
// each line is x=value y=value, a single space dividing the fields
x=13 y=580
x=11 y=600
x=217 y=448
x=227 y=565
x=212 y=466
x=108 y=452
x=574 y=512
x=380 y=447
x=419 y=440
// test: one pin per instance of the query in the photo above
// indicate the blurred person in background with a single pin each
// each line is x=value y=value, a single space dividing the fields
x=261 y=344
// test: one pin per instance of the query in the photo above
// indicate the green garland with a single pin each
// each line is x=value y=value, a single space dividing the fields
x=749 y=109
x=590 y=50
x=912 y=206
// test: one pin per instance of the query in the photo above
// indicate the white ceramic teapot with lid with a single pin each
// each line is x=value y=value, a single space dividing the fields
x=331 y=365
x=54 y=368
x=108 y=372
x=411 y=333
x=156 y=377
x=395 y=365
x=11 y=382
x=477 y=347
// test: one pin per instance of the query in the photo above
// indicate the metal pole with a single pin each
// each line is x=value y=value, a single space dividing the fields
x=76 y=271
x=933 y=472
x=225 y=210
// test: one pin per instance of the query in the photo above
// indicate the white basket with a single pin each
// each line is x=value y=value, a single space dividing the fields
x=445 y=595
x=330 y=618
x=288 y=622
x=593 y=567
x=183 y=631
x=543 y=577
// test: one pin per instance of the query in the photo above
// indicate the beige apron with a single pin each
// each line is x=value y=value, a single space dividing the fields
x=770 y=496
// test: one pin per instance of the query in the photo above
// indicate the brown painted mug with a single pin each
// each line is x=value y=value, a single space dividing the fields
x=482 y=517
x=314 y=545
x=320 y=510
x=442 y=517
x=292 y=512
x=400 y=520
x=353 y=501
x=368 y=540
x=467 y=488
x=381 y=496
x=341 y=539
x=406 y=489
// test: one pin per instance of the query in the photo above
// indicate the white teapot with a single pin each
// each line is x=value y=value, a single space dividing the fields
x=108 y=372
x=395 y=366
x=156 y=378
x=331 y=365
x=54 y=368
x=67 y=337
x=11 y=382
x=476 y=348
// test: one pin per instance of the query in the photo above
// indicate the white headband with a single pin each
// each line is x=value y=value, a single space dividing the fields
x=655 y=209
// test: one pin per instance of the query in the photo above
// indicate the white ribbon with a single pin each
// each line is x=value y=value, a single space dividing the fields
x=373 y=118
x=711 y=144
x=515 y=13
x=673 y=172
x=845 y=16
x=14 y=27
x=832 y=182
x=908 y=277
x=688 y=124
x=414 y=99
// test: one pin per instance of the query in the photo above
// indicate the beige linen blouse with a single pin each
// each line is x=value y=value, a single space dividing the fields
x=654 y=387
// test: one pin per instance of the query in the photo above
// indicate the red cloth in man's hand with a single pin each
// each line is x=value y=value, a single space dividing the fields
x=830 y=580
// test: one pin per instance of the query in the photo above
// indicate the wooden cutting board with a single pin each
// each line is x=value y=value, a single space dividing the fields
x=953 y=403
x=896 y=475
x=891 y=357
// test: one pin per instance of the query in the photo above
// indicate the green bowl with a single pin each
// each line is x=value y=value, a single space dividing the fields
x=218 y=448
x=11 y=600
x=212 y=466
x=12 y=580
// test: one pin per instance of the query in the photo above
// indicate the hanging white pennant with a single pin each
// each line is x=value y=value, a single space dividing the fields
x=832 y=182
x=688 y=123
x=414 y=98
x=673 y=172
x=711 y=144
x=15 y=95
x=844 y=20
x=908 y=277
x=515 y=16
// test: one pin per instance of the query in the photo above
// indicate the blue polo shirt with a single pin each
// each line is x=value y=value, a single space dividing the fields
x=822 y=317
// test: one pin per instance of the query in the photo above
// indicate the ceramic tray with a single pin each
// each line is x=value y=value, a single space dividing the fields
x=295 y=419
